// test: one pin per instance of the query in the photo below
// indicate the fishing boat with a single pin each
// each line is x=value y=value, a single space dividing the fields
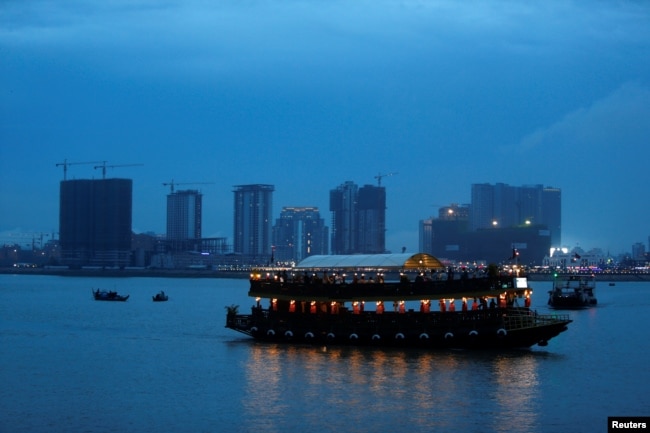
x=160 y=297
x=103 y=295
x=386 y=300
x=573 y=292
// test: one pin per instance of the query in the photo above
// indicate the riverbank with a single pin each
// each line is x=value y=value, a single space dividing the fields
x=128 y=273
x=610 y=277
x=244 y=274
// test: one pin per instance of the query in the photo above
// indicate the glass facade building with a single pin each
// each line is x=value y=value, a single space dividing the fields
x=358 y=219
x=298 y=233
x=253 y=209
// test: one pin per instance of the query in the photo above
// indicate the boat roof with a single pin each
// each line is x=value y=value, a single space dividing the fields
x=374 y=261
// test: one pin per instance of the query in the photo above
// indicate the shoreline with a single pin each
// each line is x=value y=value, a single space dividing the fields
x=127 y=273
x=245 y=274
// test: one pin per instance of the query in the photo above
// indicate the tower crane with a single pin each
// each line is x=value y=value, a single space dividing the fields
x=104 y=166
x=65 y=165
x=172 y=184
x=36 y=238
x=380 y=176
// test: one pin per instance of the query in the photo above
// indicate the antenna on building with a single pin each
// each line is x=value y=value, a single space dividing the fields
x=380 y=176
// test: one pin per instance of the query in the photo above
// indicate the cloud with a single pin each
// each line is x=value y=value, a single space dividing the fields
x=621 y=118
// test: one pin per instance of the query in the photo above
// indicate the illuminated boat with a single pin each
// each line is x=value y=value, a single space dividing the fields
x=386 y=300
x=573 y=292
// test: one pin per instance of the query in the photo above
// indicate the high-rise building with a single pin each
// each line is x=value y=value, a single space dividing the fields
x=638 y=251
x=95 y=222
x=444 y=236
x=298 y=233
x=500 y=218
x=343 y=205
x=358 y=219
x=184 y=219
x=371 y=208
x=252 y=222
x=505 y=206
x=552 y=213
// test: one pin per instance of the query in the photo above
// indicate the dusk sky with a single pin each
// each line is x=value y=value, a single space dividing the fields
x=306 y=95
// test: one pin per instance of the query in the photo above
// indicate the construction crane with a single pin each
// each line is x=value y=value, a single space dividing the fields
x=380 y=175
x=104 y=166
x=172 y=184
x=37 y=238
x=65 y=165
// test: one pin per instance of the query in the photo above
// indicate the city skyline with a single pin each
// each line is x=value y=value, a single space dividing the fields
x=426 y=97
x=276 y=215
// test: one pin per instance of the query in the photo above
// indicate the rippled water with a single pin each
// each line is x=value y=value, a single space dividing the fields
x=71 y=364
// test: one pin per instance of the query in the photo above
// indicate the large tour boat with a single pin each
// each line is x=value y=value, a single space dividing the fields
x=572 y=292
x=386 y=300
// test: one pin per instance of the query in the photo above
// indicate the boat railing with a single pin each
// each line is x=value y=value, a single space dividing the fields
x=509 y=318
x=390 y=290
x=239 y=322
x=532 y=320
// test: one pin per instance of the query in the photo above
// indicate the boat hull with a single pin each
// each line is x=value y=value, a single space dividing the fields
x=570 y=303
x=116 y=299
x=512 y=328
x=573 y=293
x=109 y=296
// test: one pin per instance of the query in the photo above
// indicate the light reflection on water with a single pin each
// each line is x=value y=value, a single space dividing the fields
x=375 y=389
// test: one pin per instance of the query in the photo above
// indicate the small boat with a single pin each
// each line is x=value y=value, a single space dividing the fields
x=160 y=297
x=305 y=308
x=103 y=295
x=573 y=292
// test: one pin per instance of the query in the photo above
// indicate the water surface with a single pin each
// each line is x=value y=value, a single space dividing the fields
x=71 y=364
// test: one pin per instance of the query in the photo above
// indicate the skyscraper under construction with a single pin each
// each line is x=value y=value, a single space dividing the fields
x=184 y=209
x=95 y=222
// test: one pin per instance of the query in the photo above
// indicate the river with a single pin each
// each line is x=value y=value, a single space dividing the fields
x=71 y=364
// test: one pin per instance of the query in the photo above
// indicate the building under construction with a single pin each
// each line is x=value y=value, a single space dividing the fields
x=95 y=222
